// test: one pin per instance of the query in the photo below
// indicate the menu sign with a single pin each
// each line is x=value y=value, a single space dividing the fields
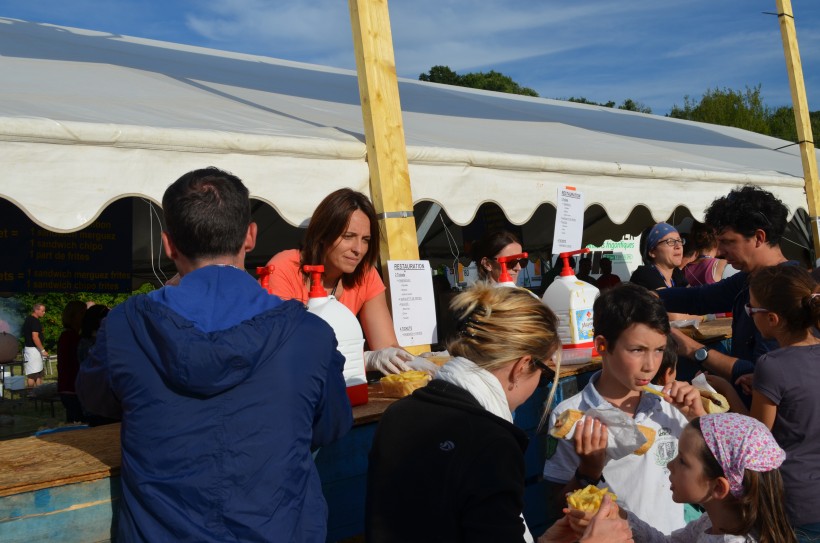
x=414 y=310
x=94 y=259
x=569 y=221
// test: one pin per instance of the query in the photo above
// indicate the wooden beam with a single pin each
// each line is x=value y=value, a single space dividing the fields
x=384 y=130
x=801 y=116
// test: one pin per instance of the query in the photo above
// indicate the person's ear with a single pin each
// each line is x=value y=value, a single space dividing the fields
x=600 y=344
x=169 y=247
x=519 y=369
x=720 y=488
x=760 y=237
x=485 y=263
x=250 y=237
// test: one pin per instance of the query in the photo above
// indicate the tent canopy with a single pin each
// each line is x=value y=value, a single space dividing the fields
x=89 y=117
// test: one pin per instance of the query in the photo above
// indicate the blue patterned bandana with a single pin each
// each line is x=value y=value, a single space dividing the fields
x=658 y=232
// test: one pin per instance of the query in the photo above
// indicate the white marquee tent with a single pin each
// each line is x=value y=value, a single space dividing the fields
x=89 y=117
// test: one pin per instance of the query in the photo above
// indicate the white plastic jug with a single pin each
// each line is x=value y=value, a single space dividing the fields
x=348 y=334
x=571 y=300
x=346 y=327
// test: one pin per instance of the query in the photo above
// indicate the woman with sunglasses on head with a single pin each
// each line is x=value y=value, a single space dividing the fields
x=662 y=252
x=447 y=462
x=487 y=250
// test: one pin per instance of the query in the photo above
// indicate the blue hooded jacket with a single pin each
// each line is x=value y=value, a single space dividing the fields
x=223 y=391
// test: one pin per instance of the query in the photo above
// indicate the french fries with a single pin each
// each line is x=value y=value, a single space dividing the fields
x=651 y=390
x=589 y=499
x=399 y=385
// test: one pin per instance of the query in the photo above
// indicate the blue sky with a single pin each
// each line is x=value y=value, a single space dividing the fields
x=652 y=52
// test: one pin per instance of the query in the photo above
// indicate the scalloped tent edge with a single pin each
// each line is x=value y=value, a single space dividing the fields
x=131 y=115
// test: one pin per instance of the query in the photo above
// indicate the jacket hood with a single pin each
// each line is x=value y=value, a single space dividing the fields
x=206 y=363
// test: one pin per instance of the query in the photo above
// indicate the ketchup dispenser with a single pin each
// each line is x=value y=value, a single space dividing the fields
x=571 y=300
x=348 y=333
x=505 y=279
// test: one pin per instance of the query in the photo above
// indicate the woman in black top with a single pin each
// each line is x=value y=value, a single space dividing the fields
x=663 y=251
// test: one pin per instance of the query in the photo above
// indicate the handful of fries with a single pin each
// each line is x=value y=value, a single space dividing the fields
x=589 y=498
x=400 y=385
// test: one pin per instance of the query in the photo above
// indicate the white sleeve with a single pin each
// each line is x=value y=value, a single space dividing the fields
x=562 y=461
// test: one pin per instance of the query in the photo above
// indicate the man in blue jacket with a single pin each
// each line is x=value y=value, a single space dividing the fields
x=750 y=223
x=223 y=389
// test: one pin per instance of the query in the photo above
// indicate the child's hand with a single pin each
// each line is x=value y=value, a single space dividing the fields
x=590 y=444
x=745 y=382
x=579 y=520
x=605 y=529
x=686 y=398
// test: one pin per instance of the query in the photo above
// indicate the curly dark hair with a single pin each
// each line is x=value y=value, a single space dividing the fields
x=747 y=209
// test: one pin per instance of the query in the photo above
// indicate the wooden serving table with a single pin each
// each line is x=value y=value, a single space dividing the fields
x=65 y=487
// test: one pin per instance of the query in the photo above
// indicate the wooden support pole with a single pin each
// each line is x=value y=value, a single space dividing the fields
x=801 y=117
x=384 y=131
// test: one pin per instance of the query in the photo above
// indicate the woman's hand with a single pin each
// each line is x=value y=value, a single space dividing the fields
x=606 y=527
x=590 y=440
x=388 y=360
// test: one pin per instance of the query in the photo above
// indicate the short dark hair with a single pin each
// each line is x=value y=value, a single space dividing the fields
x=623 y=305
x=669 y=360
x=747 y=209
x=490 y=245
x=207 y=213
x=92 y=320
x=330 y=220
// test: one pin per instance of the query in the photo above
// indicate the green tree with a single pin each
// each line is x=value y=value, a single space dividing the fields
x=745 y=110
x=17 y=308
x=628 y=104
x=727 y=107
x=492 y=80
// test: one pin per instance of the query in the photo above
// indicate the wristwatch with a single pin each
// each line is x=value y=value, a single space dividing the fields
x=586 y=481
x=702 y=354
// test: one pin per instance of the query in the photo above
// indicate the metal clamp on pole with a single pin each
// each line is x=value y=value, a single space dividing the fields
x=394 y=215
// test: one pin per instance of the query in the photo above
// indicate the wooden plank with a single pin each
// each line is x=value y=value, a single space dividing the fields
x=800 y=105
x=81 y=512
x=384 y=133
x=50 y=460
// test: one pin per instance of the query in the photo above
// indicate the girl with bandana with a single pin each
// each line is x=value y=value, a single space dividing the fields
x=728 y=463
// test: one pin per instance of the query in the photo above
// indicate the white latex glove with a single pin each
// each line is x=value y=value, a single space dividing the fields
x=422 y=364
x=388 y=360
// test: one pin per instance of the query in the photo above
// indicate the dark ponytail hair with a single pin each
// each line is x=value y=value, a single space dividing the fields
x=789 y=291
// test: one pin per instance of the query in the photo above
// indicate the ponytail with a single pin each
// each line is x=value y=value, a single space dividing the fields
x=789 y=291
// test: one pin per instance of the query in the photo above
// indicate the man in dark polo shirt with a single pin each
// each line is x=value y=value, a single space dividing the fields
x=750 y=223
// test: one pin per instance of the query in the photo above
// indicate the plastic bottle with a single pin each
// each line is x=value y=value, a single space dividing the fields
x=345 y=325
x=571 y=300
x=504 y=278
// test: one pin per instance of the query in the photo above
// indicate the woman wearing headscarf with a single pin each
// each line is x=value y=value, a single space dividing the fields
x=663 y=251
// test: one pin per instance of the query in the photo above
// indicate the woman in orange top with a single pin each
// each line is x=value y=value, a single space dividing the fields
x=343 y=235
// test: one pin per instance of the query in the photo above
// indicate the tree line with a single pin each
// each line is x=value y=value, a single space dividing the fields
x=727 y=107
